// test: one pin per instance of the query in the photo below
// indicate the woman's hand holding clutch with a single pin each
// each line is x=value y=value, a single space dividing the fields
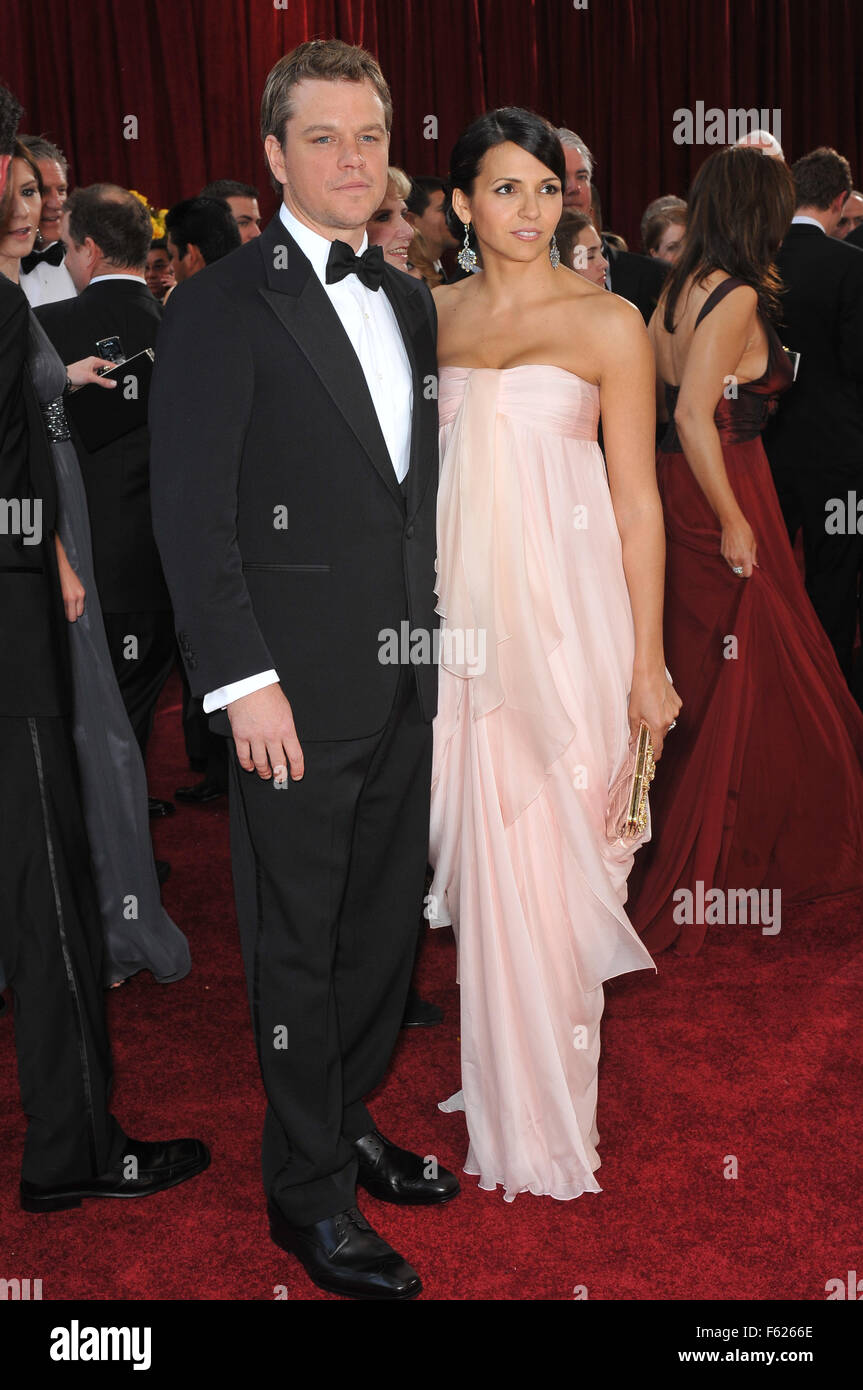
x=654 y=702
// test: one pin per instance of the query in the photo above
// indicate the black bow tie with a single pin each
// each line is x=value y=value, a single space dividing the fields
x=368 y=268
x=52 y=255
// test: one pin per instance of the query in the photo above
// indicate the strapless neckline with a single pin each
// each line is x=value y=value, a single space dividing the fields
x=520 y=367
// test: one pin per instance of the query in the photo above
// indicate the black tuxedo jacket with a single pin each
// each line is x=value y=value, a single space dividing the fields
x=286 y=539
x=819 y=421
x=34 y=671
x=117 y=478
x=637 y=278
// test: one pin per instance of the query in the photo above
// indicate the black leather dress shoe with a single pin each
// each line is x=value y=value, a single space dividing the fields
x=396 y=1175
x=419 y=1013
x=199 y=793
x=157 y=807
x=161 y=1164
x=344 y=1254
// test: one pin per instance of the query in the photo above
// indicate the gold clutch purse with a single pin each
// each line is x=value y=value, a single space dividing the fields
x=628 y=812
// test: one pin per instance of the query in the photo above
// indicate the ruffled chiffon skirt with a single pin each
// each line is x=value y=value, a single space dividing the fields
x=532 y=730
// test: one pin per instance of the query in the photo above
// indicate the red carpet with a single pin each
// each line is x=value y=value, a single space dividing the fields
x=751 y=1049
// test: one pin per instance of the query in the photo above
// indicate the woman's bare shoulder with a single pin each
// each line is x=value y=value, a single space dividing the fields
x=450 y=294
x=610 y=316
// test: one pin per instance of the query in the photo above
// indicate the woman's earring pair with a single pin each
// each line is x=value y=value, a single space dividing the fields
x=467 y=258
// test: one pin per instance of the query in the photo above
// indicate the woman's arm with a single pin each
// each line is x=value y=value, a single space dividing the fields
x=715 y=353
x=71 y=587
x=626 y=394
x=85 y=373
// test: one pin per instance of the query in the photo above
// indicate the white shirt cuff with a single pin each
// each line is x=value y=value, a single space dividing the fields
x=218 y=699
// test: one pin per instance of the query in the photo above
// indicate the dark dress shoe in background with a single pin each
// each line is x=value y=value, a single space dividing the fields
x=158 y=1164
x=419 y=1013
x=200 y=793
x=396 y=1175
x=157 y=807
x=343 y=1254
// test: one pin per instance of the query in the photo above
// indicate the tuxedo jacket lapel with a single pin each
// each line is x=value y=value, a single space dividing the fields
x=419 y=345
x=299 y=301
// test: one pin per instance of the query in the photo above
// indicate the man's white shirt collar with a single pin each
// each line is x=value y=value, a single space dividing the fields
x=312 y=244
x=807 y=222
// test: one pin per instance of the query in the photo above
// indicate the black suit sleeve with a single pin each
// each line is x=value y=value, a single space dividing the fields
x=200 y=406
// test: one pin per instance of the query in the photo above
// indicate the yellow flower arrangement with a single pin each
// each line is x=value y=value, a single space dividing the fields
x=157 y=215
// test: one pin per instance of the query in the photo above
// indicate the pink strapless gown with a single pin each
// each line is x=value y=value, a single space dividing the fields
x=532 y=730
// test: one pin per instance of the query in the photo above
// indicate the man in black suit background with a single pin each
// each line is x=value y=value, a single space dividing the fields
x=199 y=231
x=107 y=233
x=44 y=277
x=637 y=278
x=51 y=941
x=425 y=210
x=815 y=440
x=294 y=426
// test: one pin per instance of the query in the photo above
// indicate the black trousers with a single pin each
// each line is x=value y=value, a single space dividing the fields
x=143 y=667
x=207 y=752
x=329 y=875
x=51 y=948
x=833 y=562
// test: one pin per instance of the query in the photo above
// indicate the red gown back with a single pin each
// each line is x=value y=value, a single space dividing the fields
x=760 y=785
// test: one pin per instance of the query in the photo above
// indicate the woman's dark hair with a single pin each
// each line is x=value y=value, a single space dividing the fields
x=19 y=151
x=508 y=124
x=739 y=209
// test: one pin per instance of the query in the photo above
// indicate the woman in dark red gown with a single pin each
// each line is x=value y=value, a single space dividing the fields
x=761 y=782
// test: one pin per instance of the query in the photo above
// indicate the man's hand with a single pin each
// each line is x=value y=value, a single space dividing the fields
x=264 y=734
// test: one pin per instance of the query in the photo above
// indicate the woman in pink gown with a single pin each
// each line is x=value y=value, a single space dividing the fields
x=550 y=583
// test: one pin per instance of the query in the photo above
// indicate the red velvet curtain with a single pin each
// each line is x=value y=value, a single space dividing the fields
x=191 y=73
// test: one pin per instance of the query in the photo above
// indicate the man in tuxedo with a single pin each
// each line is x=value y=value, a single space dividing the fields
x=637 y=278
x=44 y=276
x=199 y=231
x=51 y=941
x=815 y=440
x=242 y=199
x=158 y=271
x=294 y=427
x=425 y=209
x=107 y=233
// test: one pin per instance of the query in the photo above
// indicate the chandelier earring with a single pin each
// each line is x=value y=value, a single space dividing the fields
x=467 y=256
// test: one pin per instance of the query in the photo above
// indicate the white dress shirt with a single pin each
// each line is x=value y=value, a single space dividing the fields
x=372 y=329
x=47 y=284
x=808 y=222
